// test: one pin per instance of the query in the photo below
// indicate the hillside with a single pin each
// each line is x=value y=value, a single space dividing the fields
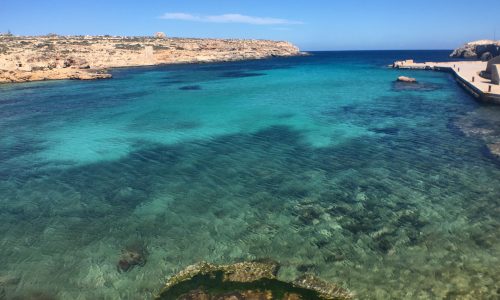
x=30 y=58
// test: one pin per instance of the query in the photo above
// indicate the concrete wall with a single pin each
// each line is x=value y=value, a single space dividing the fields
x=491 y=62
x=495 y=74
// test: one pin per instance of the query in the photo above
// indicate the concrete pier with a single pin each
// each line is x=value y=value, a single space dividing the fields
x=466 y=73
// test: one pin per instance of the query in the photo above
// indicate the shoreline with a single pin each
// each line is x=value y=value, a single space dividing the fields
x=26 y=59
x=106 y=73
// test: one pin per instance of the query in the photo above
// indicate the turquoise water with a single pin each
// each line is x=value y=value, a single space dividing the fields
x=323 y=163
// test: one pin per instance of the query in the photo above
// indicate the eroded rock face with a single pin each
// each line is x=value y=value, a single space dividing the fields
x=84 y=57
x=246 y=280
x=482 y=49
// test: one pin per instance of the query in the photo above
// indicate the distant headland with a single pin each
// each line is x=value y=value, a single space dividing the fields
x=49 y=57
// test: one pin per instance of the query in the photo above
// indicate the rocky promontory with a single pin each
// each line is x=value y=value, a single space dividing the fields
x=30 y=58
x=482 y=49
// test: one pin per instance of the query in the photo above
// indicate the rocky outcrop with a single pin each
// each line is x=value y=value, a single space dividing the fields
x=85 y=57
x=246 y=280
x=482 y=49
x=406 y=79
x=13 y=76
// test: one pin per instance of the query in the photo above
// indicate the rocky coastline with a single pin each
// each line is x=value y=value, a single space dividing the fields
x=52 y=57
x=483 y=50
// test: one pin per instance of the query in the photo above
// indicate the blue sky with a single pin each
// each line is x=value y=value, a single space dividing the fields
x=312 y=25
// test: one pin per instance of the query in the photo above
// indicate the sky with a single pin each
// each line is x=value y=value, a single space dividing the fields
x=312 y=25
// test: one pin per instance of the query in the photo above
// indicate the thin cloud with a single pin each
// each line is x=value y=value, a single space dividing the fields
x=228 y=18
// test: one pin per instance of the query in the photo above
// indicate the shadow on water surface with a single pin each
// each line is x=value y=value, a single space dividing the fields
x=239 y=74
x=415 y=87
x=190 y=88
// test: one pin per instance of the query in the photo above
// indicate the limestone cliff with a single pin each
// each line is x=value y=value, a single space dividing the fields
x=482 y=49
x=86 y=57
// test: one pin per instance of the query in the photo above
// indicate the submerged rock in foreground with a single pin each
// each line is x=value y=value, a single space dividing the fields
x=246 y=280
x=33 y=58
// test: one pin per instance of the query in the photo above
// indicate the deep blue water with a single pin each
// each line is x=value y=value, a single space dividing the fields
x=321 y=162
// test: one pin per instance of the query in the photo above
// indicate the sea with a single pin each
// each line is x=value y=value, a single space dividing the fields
x=322 y=162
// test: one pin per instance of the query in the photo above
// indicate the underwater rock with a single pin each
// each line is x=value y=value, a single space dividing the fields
x=384 y=245
x=494 y=149
x=245 y=280
x=401 y=86
x=406 y=79
x=484 y=124
x=132 y=256
x=190 y=88
x=241 y=74
x=8 y=280
x=308 y=215
x=386 y=130
x=303 y=268
x=33 y=295
x=326 y=290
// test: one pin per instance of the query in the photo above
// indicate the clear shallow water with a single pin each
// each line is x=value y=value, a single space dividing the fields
x=322 y=163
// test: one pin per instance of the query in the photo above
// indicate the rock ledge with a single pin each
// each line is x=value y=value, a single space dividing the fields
x=246 y=280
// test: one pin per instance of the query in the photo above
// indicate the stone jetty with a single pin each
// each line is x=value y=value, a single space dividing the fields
x=479 y=78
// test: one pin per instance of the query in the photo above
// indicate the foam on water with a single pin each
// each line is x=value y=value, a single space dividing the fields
x=321 y=162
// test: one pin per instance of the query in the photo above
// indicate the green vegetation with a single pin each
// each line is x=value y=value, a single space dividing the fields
x=81 y=43
x=160 y=47
x=47 y=45
x=129 y=46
